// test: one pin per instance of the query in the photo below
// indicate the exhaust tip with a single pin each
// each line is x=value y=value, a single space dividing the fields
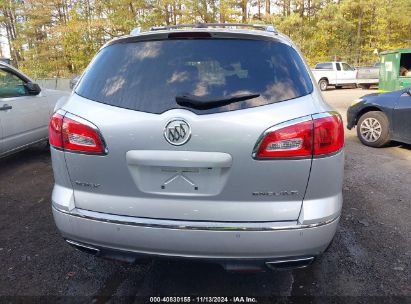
x=103 y=253
x=243 y=267
x=86 y=248
x=290 y=263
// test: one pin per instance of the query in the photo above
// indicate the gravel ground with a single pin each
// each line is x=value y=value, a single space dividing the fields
x=369 y=257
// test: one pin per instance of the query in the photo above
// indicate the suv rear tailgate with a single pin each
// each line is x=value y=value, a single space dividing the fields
x=231 y=185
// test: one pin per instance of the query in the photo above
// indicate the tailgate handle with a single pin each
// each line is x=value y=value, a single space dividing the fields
x=186 y=159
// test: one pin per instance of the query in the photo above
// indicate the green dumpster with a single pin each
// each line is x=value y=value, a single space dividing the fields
x=395 y=70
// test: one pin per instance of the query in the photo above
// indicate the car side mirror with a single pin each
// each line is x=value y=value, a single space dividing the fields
x=32 y=88
x=74 y=81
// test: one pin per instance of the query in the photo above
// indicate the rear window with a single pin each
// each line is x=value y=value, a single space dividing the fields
x=347 y=67
x=147 y=76
x=324 y=66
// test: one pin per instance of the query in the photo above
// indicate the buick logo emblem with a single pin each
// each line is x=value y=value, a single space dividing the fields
x=177 y=132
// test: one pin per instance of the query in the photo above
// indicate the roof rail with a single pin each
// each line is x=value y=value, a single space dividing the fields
x=265 y=27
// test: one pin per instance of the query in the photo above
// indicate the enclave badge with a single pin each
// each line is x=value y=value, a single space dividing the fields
x=279 y=193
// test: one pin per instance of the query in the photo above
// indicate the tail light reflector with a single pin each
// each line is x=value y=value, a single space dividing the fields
x=320 y=135
x=75 y=134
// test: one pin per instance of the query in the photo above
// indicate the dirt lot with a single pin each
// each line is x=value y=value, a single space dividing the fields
x=370 y=255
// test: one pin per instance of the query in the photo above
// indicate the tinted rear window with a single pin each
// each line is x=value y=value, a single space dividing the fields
x=324 y=66
x=147 y=76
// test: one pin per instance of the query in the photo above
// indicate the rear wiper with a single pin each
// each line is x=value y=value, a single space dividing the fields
x=203 y=103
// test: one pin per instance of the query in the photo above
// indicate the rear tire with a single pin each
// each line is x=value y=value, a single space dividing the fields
x=42 y=146
x=323 y=83
x=373 y=129
x=364 y=86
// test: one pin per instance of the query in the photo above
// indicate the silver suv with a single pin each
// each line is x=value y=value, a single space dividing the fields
x=207 y=142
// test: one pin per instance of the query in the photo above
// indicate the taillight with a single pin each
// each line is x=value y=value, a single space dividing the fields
x=72 y=133
x=318 y=135
x=291 y=141
x=328 y=135
x=55 y=127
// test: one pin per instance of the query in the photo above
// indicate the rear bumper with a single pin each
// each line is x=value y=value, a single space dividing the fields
x=352 y=114
x=240 y=241
x=367 y=81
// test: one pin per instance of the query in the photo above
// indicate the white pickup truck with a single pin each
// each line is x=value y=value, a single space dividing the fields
x=335 y=74
x=368 y=76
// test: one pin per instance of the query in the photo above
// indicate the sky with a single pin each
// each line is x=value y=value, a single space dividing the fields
x=4 y=45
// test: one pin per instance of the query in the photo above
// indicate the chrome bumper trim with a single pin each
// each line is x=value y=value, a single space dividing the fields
x=83 y=246
x=293 y=263
x=190 y=225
